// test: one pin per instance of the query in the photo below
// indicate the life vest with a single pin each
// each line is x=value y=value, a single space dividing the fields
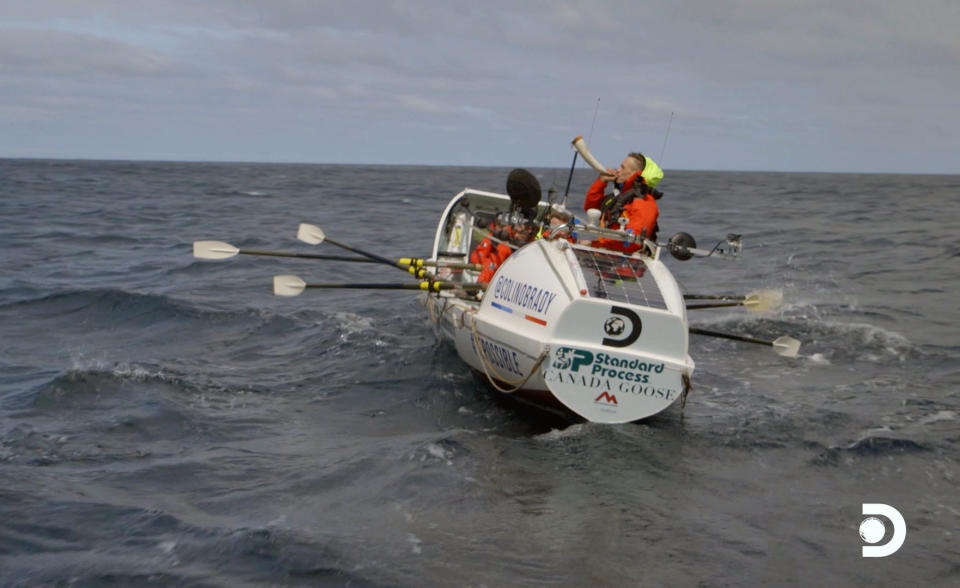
x=612 y=205
x=640 y=215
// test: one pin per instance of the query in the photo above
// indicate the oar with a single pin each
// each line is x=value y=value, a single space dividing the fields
x=314 y=235
x=420 y=262
x=221 y=250
x=759 y=301
x=288 y=285
x=785 y=346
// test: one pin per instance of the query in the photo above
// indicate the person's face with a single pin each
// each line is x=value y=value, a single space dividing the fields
x=628 y=167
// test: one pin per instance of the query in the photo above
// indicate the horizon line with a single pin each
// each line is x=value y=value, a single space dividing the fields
x=478 y=166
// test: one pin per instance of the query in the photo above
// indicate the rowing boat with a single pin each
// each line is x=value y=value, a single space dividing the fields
x=599 y=333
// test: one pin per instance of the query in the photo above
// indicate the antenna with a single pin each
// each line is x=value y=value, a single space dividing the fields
x=595 y=110
x=577 y=152
x=664 y=148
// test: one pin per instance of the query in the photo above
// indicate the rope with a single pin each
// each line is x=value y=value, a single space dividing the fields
x=488 y=367
x=434 y=316
x=687 y=386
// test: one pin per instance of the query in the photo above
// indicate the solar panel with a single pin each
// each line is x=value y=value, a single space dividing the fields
x=620 y=278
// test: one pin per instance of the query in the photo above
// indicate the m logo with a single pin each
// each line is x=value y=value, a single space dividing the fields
x=621 y=335
x=571 y=359
x=607 y=398
x=872 y=530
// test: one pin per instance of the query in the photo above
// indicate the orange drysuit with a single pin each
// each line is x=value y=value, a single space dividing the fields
x=490 y=255
x=640 y=213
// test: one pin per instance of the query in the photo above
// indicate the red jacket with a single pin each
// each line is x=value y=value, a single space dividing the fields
x=641 y=213
x=490 y=255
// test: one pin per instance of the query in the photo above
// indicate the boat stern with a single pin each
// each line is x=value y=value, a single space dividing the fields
x=612 y=363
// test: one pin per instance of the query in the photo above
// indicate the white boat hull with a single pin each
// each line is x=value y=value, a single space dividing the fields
x=603 y=335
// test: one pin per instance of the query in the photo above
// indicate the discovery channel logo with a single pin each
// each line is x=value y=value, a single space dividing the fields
x=872 y=530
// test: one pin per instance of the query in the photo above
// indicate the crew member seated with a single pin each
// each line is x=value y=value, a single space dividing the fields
x=558 y=224
x=508 y=231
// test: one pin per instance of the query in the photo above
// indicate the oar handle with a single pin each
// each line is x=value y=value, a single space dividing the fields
x=420 y=262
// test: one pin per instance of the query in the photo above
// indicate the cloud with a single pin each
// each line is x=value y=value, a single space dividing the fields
x=42 y=52
x=736 y=73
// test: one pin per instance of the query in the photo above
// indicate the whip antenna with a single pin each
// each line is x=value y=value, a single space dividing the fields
x=576 y=152
x=595 y=111
x=664 y=148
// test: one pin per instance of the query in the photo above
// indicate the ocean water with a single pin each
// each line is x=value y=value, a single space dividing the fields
x=168 y=421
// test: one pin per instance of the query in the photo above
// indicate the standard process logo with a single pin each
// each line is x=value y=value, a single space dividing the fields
x=873 y=530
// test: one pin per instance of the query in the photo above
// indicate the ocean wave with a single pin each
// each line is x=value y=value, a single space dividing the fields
x=838 y=341
x=124 y=413
x=112 y=303
x=156 y=547
x=824 y=341
x=869 y=447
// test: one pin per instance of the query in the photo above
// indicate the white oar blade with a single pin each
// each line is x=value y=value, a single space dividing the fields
x=213 y=250
x=763 y=300
x=786 y=346
x=310 y=234
x=288 y=285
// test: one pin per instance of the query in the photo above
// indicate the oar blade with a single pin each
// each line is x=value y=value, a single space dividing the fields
x=786 y=346
x=763 y=300
x=287 y=285
x=213 y=250
x=310 y=234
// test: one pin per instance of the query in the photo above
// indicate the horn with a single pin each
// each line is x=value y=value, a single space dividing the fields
x=581 y=148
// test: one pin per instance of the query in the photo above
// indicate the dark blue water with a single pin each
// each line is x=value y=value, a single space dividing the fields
x=168 y=421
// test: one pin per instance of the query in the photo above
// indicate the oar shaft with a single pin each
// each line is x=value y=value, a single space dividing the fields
x=428 y=286
x=418 y=272
x=697 y=331
x=713 y=305
x=413 y=261
x=304 y=255
x=372 y=256
x=711 y=297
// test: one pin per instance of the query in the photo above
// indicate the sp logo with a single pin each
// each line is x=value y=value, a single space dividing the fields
x=872 y=530
x=620 y=333
x=571 y=359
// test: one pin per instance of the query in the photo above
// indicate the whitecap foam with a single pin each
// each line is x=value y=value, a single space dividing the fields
x=414 y=542
x=352 y=324
x=818 y=359
x=558 y=434
x=439 y=452
x=943 y=415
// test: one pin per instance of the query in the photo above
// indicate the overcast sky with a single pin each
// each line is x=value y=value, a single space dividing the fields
x=813 y=85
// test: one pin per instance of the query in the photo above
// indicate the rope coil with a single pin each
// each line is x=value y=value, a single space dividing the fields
x=488 y=367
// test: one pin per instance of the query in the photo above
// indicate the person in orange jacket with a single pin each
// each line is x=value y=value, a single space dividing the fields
x=494 y=250
x=632 y=205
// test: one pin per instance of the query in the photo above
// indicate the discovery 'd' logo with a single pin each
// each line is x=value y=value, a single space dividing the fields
x=617 y=330
x=873 y=530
